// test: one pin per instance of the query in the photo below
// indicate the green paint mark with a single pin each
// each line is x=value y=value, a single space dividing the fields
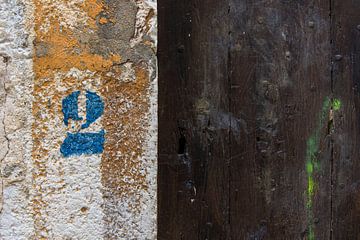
x=311 y=233
x=312 y=163
x=336 y=104
x=311 y=187
x=309 y=167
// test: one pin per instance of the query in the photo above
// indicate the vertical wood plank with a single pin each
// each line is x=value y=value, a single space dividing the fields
x=194 y=132
x=280 y=105
x=346 y=164
x=173 y=26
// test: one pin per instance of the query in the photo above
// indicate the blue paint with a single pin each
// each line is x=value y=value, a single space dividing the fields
x=94 y=108
x=83 y=143
x=70 y=108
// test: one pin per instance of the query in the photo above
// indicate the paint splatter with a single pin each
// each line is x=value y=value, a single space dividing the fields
x=312 y=163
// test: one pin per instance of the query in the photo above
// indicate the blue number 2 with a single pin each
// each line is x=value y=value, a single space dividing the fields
x=82 y=143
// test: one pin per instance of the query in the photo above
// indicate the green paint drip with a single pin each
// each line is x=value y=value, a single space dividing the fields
x=312 y=163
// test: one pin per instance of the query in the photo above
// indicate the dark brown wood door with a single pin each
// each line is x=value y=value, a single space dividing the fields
x=259 y=119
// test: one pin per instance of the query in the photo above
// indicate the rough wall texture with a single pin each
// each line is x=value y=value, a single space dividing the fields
x=78 y=125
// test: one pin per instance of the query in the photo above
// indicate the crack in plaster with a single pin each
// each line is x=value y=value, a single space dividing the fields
x=5 y=60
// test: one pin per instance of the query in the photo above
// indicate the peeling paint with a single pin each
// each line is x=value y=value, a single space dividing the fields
x=65 y=188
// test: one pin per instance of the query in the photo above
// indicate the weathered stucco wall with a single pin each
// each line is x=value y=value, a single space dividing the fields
x=78 y=114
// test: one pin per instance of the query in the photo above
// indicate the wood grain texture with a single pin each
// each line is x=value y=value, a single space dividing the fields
x=259 y=113
x=194 y=141
x=346 y=164
x=280 y=79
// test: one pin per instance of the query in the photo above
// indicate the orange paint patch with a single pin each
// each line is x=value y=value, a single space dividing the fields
x=63 y=52
x=103 y=20
x=124 y=120
x=93 y=8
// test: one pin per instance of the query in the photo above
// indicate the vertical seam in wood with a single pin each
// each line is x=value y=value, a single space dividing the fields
x=331 y=139
x=230 y=125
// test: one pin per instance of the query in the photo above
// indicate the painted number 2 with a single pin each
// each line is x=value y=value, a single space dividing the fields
x=83 y=143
